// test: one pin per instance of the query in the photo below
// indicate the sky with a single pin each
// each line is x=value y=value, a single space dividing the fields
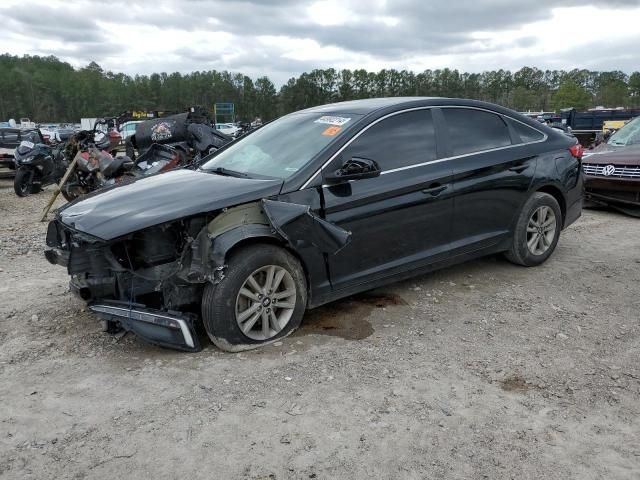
x=282 y=39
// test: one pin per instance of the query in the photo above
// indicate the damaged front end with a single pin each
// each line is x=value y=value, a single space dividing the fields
x=139 y=282
x=150 y=282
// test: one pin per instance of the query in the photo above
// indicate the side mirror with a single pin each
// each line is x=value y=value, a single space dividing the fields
x=353 y=169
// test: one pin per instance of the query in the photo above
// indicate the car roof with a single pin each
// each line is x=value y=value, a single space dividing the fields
x=371 y=105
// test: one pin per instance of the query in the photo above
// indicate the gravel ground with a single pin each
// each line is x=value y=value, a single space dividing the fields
x=484 y=370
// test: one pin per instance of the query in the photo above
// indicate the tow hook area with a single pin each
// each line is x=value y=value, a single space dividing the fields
x=166 y=329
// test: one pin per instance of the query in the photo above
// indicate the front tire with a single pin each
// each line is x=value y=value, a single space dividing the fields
x=537 y=231
x=261 y=299
x=22 y=182
x=68 y=196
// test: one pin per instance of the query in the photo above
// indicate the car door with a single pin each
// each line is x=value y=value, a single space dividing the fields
x=400 y=220
x=492 y=175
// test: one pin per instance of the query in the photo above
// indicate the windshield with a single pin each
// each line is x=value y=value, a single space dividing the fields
x=628 y=134
x=282 y=147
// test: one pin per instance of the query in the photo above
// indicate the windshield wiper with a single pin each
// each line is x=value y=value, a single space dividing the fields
x=229 y=173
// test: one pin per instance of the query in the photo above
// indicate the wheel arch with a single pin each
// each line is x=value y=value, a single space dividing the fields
x=227 y=244
x=556 y=193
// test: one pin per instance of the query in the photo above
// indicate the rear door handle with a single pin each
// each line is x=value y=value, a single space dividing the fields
x=519 y=168
x=434 y=190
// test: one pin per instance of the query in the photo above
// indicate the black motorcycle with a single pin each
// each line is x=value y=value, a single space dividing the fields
x=37 y=164
x=191 y=133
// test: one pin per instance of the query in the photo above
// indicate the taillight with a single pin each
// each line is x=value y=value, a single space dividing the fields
x=577 y=150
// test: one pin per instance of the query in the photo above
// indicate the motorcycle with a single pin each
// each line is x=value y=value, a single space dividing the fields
x=97 y=165
x=37 y=164
x=205 y=140
x=191 y=133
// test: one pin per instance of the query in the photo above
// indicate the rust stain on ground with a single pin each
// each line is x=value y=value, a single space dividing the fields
x=347 y=318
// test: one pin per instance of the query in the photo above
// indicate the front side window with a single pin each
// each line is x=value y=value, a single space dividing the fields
x=472 y=131
x=282 y=147
x=398 y=141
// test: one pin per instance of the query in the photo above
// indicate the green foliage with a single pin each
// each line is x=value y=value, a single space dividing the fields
x=570 y=94
x=47 y=89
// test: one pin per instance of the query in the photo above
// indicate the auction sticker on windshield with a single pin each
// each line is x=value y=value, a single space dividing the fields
x=330 y=120
x=27 y=144
x=331 y=131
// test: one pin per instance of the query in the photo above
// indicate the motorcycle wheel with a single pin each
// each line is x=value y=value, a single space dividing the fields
x=22 y=182
x=69 y=197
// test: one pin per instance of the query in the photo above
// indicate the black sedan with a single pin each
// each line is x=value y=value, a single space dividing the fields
x=315 y=206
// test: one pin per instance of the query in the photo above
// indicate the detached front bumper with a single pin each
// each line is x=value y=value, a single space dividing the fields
x=166 y=329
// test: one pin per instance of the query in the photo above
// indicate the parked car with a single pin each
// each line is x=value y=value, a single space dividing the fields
x=317 y=205
x=612 y=170
x=129 y=128
x=228 y=129
x=62 y=134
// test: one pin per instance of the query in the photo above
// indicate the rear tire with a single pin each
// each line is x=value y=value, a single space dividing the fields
x=235 y=311
x=537 y=231
x=22 y=182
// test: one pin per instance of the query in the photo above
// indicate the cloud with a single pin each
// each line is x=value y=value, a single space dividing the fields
x=282 y=38
x=61 y=23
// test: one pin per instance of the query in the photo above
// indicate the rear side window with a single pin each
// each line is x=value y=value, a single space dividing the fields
x=474 y=130
x=525 y=132
x=398 y=141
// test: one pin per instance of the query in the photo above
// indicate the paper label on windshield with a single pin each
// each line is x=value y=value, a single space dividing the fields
x=329 y=120
x=331 y=131
x=27 y=144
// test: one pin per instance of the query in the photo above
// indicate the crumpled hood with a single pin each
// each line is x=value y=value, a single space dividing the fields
x=161 y=198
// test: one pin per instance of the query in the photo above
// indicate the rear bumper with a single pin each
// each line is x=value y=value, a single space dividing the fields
x=166 y=329
x=574 y=211
x=7 y=162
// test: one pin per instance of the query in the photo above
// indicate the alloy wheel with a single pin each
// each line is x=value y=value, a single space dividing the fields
x=541 y=230
x=265 y=302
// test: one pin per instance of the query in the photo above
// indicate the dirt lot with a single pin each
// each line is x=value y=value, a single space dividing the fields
x=485 y=370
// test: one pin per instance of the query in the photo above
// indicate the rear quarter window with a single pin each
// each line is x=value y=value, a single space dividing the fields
x=526 y=133
x=472 y=131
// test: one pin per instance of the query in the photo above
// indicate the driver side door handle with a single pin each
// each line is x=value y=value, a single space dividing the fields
x=434 y=190
x=519 y=168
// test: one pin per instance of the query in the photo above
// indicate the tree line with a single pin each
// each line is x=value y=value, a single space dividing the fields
x=46 y=89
